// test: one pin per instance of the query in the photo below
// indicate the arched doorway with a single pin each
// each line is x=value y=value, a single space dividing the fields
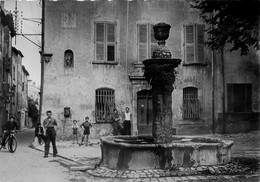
x=144 y=112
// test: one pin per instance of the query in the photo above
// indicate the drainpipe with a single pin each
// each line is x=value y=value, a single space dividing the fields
x=213 y=92
x=213 y=85
x=223 y=94
x=42 y=61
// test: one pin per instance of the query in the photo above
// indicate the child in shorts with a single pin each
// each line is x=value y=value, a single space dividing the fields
x=75 y=131
x=86 y=130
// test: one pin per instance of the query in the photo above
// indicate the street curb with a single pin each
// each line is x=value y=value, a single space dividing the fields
x=33 y=147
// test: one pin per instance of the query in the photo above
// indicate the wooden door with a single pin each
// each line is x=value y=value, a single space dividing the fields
x=144 y=112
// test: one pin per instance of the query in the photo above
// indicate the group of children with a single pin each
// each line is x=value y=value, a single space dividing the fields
x=39 y=133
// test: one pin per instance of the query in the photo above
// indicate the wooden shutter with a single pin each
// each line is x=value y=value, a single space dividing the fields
x=189 y=44
x=230 y=94
x=200 y=43
x=153 y=42
x=142 y=42
x=100 y=41
x=111 y=42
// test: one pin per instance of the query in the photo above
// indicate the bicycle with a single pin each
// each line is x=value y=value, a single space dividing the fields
x=12 y=142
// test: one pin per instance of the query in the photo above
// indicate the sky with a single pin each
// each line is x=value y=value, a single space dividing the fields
x=28 y=10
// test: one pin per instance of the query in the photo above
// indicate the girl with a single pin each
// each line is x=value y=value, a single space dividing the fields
x=75 y=131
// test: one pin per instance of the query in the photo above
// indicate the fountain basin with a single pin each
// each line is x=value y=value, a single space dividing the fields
x=140 y=152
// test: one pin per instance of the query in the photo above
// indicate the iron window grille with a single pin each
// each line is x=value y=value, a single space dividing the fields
x=191 y=104
x=105 y=104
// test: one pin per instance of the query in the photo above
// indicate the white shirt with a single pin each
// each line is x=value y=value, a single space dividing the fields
x=127 y=116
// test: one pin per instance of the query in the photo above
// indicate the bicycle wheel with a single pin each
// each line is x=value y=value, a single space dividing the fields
x=12 y=144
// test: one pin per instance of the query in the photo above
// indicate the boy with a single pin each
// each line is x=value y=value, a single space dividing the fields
x=86 y=128
x=39 y=133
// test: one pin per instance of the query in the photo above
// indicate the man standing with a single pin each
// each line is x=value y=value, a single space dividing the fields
x=116 y=122
x=127 y=121
x=7 y=128
x=49 y=123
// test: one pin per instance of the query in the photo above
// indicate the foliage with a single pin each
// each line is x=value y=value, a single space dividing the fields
x=33 y=111
x=163 y=74
x=231 y=21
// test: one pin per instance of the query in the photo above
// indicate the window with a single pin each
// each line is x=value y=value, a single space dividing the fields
x=239 y=97
x=146 y=41
x=105 y=41
x=194 y=43
x=13 y=72
x=191 y=105
x=23 y=86
x=68 y=59
x=105 y=104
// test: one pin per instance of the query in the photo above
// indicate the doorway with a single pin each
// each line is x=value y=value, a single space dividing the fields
x=144 y=112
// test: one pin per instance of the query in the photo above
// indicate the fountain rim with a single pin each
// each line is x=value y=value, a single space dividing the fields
x=216 y=142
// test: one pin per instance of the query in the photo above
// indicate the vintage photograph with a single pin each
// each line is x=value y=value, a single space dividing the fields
x=129 y=90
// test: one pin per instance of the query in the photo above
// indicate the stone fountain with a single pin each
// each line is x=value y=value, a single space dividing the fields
x=163 y=149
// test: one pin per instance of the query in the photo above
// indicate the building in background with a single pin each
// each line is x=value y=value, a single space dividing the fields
x=6 y=89
x=20 y=83
x=93 y=64
x=34 y=92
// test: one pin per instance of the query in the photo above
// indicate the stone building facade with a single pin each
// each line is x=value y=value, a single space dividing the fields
x=19 y=82
x=97 y=49
x=6 y=90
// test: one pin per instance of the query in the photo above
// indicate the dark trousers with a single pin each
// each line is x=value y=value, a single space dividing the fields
x=127 y=127
x=50 y=137
x=4 y=138
x=40 y=138
x=116 y=127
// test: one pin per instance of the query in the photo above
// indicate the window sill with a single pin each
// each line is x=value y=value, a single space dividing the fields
x=195 y=64
x=105 y=62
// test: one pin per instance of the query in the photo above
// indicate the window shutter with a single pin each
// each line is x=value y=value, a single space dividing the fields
x=100 y=37
x=153 y=42
x=142 y=43
x=230 y=94
x=200 y=43
x=248 y=97
x=111 y=32
x=189 y=44
x=99 y=51
x=100 y=32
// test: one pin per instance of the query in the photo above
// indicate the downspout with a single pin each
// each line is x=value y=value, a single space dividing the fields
x=223 y=94
x=213 y=85
x=42 y=61
x=126 y=47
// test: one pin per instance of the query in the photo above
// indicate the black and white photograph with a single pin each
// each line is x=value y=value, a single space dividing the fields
x=130 y=90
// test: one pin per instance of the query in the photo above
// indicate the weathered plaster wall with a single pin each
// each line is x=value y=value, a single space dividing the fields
x=75 y=87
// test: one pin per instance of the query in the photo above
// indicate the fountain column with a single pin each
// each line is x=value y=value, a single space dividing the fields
x=160 y=73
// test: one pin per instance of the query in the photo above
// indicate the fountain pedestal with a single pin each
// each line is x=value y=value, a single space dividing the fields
x=160 y=73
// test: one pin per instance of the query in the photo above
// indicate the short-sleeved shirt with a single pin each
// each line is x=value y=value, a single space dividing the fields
x=49 y=123
x=86 y=125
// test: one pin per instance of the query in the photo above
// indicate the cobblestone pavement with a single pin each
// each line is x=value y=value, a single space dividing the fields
x=246 y=146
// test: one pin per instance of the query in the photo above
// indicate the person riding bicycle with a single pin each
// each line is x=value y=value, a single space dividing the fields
x=8 y=127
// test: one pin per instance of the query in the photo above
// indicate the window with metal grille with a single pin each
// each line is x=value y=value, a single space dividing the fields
x=191 y=105
x=146 y=41
x=105 y=104
x=194 y=43
x=105 y=41
x=239 y=97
